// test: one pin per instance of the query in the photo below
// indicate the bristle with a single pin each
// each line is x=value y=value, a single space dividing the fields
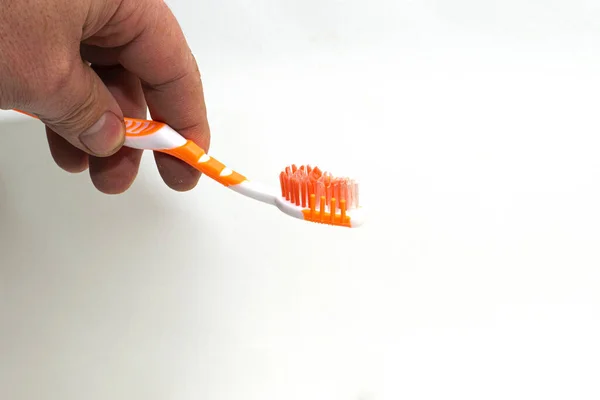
x=331 y=194
x=282 y=182
x=304 y=193
x=332 y=213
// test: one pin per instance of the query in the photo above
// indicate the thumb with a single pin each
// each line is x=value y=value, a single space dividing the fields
x=81 y=109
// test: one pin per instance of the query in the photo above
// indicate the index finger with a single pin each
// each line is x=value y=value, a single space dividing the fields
x=160 y=56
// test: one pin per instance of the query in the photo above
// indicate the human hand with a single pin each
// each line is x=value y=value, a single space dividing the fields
x=81 y=66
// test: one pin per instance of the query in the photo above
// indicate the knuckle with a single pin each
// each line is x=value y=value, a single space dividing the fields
x=78 y=116
x=77 y=112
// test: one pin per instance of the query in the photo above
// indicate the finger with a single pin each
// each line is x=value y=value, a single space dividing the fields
x=173 y=88
x=80 y=108
x=74 y=160
x=116 y=174
x=65 y=155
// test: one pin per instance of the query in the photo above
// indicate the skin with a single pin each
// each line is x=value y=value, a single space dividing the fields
x=81 y=66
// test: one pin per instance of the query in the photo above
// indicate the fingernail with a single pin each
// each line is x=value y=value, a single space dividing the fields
x=106 y=136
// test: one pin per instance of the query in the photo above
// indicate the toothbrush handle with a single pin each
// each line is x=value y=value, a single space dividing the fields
x=193 y=155
x=157 y=136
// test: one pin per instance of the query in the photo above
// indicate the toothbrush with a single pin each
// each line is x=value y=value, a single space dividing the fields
x=306 y=193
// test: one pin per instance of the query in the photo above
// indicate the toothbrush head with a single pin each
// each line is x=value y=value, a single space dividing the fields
x=319 y=196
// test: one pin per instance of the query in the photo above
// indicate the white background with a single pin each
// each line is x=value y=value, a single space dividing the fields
x=473 y=126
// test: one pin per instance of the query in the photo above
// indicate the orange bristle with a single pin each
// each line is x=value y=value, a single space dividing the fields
x=312 y=206
x=304 y=192
x=282 y=183
x=311 y=188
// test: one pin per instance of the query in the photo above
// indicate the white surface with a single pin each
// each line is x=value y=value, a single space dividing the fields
x=474 y=126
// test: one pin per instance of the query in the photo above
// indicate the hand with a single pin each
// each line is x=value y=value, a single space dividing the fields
x=81 y=66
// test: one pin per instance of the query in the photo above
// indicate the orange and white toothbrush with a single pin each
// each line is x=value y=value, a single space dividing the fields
x=306 y=193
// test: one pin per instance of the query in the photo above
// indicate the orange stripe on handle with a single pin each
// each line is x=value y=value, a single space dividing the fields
x=193 y=155
x=141 y=127
x=26 y=113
